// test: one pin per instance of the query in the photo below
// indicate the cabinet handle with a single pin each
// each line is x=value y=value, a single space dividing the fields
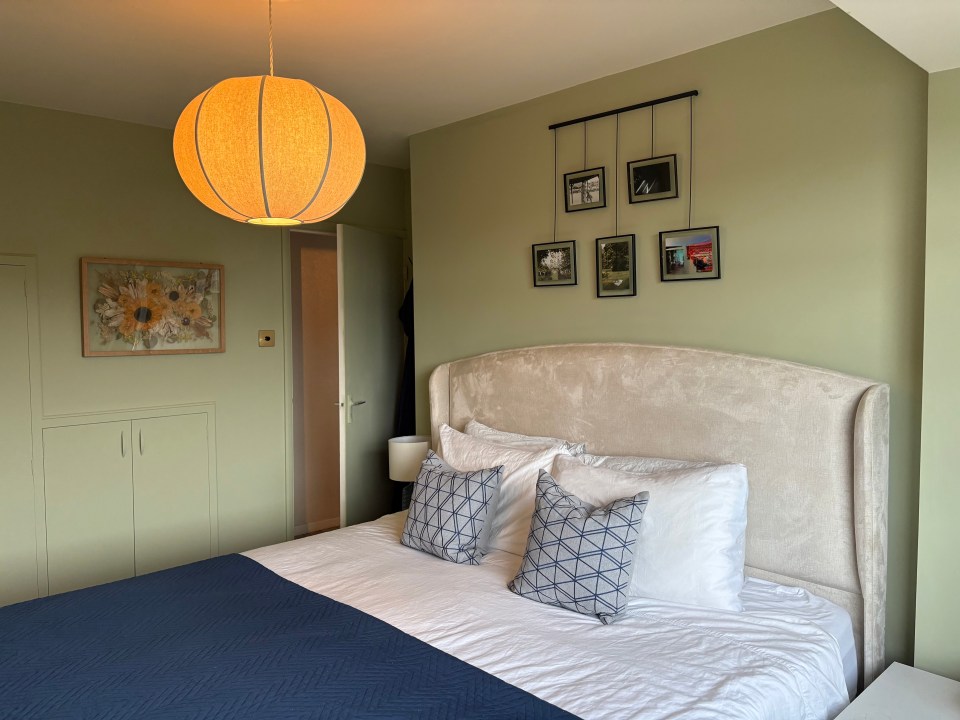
x=140 y=435
x=123 y=447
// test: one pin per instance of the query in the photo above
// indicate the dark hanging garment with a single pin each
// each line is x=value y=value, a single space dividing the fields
x=406 y=421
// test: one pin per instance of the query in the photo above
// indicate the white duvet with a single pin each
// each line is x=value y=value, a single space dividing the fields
x=775 y=660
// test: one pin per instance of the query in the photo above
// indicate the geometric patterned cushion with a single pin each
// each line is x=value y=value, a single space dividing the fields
x=449 y=510
x=579 y=557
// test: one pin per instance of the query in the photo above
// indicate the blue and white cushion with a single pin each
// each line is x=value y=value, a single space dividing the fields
x=580 y=557
x=449 y=510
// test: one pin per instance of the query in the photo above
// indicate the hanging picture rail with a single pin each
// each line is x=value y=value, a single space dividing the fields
x=692 y=253
x=628 y=108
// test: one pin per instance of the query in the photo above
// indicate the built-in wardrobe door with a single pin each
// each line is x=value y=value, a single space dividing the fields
x=171 y=488
x=18 y=538
x=89 y=491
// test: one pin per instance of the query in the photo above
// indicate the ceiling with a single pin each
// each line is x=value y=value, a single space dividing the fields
x=926 y=31
x=402 y=66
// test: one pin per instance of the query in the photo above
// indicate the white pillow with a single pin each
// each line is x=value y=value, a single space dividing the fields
x=521 y=468
x=632 y=464
x=690 y=548
x=531 y=442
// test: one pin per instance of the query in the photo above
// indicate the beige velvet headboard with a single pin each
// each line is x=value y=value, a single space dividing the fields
x=814 y=442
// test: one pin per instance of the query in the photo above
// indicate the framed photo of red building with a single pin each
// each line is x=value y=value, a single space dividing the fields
x=692 y=254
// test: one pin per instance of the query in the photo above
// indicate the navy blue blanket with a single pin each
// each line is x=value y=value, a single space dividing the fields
x=227 y=638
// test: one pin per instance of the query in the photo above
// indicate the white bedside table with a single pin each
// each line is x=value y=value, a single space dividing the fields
x=907 y=693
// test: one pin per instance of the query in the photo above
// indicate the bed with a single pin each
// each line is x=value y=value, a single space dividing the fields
x=380 y=630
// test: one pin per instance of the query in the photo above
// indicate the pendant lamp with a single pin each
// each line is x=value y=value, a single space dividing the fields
x=269 y=150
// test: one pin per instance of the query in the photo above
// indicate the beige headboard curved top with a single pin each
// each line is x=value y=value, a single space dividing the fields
x=814 y=443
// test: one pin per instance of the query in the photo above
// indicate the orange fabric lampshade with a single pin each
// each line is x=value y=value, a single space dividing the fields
x=269 y=150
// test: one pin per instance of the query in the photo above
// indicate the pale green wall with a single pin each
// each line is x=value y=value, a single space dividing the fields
x=380 y=203
x=810 y=155
x=938 y=567
x=72 y=185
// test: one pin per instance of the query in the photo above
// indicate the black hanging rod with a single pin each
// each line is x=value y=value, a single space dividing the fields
x=628 y=108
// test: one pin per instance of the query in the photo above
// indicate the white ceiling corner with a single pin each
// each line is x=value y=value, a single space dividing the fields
x=925 y=31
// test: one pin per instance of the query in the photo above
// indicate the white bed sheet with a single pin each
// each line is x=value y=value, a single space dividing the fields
x=760 y=596
x=660 y=661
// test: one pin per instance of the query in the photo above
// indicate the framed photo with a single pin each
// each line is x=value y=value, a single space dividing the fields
x=142 y=307
x=555 y=264
x=690 y=254
x=585 y=190
x=616 y=266
x=652 y=179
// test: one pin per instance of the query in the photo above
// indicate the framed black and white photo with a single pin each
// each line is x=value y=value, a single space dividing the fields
x=555 y=264
x=616 y=266
x=692 y=254
x=585 y=190
x=652 y=179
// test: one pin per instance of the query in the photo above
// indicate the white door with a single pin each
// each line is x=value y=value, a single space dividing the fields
x=370 y=267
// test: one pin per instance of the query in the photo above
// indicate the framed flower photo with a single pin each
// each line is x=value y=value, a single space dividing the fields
x=555 y=264
x=652 y=179
x=585 y=190
x=692 y=254
x=616 y=266
x=142 y=307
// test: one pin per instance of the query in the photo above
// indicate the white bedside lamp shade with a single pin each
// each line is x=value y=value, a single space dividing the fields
x=407 y=453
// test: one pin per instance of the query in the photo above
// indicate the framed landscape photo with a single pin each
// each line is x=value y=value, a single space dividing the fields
x=616 y=266
x=692 y=254
x=143 y=307
x=555 y=264
x=585 y=190
x=652 y=179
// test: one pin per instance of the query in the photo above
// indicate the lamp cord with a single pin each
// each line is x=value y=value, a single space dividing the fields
x=270 y=19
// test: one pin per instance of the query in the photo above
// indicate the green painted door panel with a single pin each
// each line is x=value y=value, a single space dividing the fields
x=89 y=504
x=18 y=539
x=371 y=296
x=171 y=491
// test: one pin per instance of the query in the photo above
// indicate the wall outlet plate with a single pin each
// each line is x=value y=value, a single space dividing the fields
x=266 y=338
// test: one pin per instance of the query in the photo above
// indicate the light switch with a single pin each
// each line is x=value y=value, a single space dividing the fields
x=266 y=338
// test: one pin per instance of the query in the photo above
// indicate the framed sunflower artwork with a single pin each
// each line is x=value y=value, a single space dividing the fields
x=142 y=307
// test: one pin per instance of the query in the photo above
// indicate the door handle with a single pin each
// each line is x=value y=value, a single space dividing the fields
x=350 y=406
x=123 y=447
x=140 y=436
